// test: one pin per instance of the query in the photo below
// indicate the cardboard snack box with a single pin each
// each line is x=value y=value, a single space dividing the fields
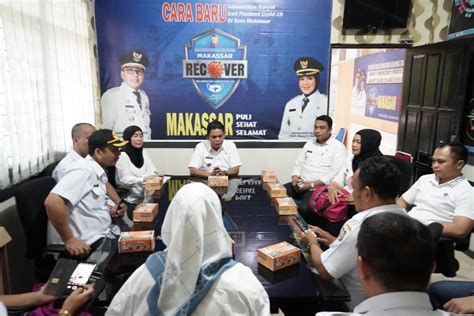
x=285 y=206
x=278 y=256
x=153 y=182
x=137 y=241
x=137 y=226
x=218 y=181
x=276 y=190
x=145 y=212
x=269 y=176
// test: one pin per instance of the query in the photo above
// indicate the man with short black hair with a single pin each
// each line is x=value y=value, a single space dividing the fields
x=376 y=183
x=395 y=262
x=445 y=196
x=216 y=155
x=317 y=164
x=76 y=207
x=80 y=134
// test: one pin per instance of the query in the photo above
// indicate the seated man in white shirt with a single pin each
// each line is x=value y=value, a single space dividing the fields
x=317 y=164
x=80 y=147
x=76 y=207
x=395 y=261
x=376 y=183
x=216 y=155
x=80 y=134
x=445 y=196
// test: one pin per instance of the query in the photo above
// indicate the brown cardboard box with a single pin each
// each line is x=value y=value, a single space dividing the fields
x=137 y=226
x=153 y=194
x=137 y=241
x=269 y=176
x=218 y=181
x=145 y=212
x=276 y=190
x=153 y=182
x=285 y=206
x=4 y=237
x=278 y=256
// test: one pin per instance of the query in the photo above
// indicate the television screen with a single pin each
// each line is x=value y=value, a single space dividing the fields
x=383 y=14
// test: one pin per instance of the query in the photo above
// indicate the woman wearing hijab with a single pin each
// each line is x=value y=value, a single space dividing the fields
x=196 y=274
x=133 y=165
x=365 y=144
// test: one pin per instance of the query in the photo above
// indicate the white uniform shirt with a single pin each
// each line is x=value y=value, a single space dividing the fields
x=394 y=304
x=440 y=202
x=297 y=125
x=64 y=165
x=206 y=158
x=3 y=310
x=130 y=177
x=320 y=161
x=344 y=176
x=236 y=292
x=340 y=259
x=120 y=109
x=84 y=187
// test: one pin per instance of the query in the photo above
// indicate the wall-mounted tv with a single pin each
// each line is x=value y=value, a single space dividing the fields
x=376 y=14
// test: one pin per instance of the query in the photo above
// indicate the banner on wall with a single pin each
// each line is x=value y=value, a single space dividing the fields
x=171 y=67
x=377 y=85
x=462 y=19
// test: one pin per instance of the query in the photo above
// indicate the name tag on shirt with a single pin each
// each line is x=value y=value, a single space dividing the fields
x=291 y=110
x=129 y=106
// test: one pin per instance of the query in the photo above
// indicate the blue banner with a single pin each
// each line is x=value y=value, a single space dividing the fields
x=377 y=85
x=229 y=60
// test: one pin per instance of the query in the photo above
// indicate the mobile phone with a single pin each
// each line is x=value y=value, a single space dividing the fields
x=301 y=223
x=80 y=276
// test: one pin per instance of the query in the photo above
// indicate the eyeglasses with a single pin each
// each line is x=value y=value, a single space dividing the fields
x=133 y=71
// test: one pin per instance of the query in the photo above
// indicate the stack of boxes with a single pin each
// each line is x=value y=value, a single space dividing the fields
x=278 y=256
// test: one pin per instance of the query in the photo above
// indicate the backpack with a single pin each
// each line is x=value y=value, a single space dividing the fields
x=332 y=212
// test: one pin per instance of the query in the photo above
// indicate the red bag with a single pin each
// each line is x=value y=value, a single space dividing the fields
x=332 y=212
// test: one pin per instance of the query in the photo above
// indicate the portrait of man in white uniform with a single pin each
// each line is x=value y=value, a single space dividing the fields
x=127 y=104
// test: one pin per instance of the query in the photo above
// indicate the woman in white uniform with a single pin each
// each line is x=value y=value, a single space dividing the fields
x=301 y=111
x=133 y=165
x=196 y=274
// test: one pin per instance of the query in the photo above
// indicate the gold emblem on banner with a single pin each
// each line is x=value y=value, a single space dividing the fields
x=304 y=64
x=137 y=56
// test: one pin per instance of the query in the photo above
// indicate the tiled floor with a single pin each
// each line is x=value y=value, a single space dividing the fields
x=465 y=272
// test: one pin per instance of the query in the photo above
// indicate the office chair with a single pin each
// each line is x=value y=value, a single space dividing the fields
x=406 y=171
x=30 y=197
x=48 y=170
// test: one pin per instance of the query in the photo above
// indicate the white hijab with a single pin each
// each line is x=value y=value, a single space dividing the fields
x=194 y=234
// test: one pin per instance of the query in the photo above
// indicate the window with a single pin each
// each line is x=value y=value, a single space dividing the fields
x=46 y=82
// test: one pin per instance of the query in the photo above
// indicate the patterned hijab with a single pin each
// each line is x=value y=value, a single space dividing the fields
x=369 y=146
x=135 y=154
x=196 y=239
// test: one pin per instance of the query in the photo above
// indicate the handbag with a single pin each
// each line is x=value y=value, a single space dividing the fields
x=335 y=212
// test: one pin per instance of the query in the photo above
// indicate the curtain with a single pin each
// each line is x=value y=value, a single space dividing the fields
x=46 y=82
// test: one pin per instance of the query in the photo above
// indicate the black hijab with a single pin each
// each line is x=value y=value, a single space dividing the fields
x=135 y=154
x=369 y=146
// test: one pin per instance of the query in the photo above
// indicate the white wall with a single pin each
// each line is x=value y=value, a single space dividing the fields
x=174 y=161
